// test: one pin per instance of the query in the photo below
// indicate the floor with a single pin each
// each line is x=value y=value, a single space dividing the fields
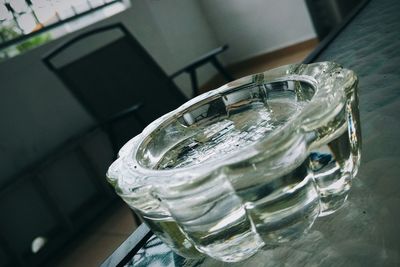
x=292 y=54
x=101 y=241
x=96 y=245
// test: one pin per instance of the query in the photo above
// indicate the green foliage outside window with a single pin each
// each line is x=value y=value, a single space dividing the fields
x=7 y=33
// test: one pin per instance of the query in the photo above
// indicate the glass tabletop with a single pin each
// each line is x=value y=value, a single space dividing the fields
x=365 y=231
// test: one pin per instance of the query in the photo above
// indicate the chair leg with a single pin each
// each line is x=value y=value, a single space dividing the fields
x=221 y=69
x=193 y=79
x=113 y=140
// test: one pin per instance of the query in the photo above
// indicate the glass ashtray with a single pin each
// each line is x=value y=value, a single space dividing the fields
x=247 y=166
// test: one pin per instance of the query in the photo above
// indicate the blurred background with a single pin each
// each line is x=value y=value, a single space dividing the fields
x=56 y=141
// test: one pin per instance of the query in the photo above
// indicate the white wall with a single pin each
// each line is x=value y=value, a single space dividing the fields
x=186 y=34
x=184 y=30
x=254 y=27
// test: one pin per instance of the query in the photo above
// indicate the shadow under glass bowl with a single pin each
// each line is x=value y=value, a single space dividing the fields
x=249 y=165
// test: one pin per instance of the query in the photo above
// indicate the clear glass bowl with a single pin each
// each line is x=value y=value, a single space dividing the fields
x=249 y=165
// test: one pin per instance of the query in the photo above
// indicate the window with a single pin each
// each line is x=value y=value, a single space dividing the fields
x=25 y=24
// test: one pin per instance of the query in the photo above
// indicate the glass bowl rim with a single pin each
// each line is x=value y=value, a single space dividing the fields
x=329 y=96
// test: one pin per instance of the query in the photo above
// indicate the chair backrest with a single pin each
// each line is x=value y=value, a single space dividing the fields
x=115 y=76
